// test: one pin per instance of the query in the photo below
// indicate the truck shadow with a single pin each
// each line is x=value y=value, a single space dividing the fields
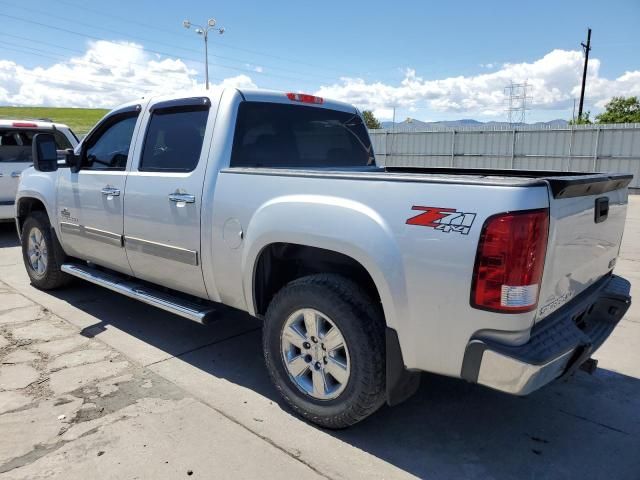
x=588 y=427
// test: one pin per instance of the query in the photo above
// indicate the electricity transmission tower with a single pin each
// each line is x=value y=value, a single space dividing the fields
x=518 y=100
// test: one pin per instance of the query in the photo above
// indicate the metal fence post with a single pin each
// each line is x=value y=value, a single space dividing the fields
x=570 y=148
x=453 y=147
x=595 y=150
x=513 y=147
x=386 y=147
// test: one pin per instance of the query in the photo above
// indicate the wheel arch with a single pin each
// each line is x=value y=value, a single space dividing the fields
x=27 y=204
x=279 y=263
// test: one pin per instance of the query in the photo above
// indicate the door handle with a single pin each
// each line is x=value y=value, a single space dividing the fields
x=111 y=191
x=15 y=174
x=182 y=197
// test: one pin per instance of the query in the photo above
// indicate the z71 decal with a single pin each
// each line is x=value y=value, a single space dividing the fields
x=443 y=219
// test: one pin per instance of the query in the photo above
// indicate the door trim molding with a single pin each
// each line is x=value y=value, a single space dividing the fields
x=91 y=233
x=177 y=254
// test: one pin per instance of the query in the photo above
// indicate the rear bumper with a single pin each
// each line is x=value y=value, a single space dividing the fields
x=558 y=345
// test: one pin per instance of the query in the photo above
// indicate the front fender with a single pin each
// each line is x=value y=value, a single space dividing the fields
x=41 y=186
x=332 y=223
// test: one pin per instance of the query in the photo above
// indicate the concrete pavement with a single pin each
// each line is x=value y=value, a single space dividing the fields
x=145 y=387
x=71 y=406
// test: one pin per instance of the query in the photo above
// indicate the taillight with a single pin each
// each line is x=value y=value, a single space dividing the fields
x=510 y=260
x=304 y=98
x=24 y=124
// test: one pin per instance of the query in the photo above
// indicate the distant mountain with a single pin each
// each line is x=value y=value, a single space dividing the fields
x=413 y=124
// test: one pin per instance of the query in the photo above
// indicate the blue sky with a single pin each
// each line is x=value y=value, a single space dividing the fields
x=431 y=60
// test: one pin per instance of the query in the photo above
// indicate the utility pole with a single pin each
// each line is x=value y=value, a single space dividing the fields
x=587 y=49
x=204 y=32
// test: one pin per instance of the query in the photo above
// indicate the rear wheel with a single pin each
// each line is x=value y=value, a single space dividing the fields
x=42 y=254
x=323 y=343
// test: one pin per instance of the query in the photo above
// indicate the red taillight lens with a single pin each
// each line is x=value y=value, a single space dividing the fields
x=510 y=261
x=304 y=98
x=24 y=124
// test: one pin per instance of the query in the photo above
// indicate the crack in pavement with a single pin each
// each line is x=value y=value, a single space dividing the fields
x=594 y=422
x=195 y=349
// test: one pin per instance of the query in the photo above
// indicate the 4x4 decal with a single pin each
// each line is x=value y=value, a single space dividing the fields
x=443 y=219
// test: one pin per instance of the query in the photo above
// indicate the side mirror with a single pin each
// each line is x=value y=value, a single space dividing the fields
x=73 y=161
x=44 y=153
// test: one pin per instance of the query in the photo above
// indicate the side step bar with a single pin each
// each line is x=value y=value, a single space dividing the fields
x=138 y=291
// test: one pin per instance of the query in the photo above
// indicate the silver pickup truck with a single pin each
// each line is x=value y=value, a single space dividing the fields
x=365 y=276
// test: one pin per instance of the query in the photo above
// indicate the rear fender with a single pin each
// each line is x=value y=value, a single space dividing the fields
x=337 y=224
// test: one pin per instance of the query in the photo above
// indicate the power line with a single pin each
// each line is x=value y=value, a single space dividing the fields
x=72 y=80
x=158 y=52
x=55 y=56
x=223 y=45
x=220 y=45
x=148 y=40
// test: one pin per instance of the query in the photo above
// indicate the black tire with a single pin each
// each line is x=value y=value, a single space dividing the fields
x=51 y=277
x=362 y=326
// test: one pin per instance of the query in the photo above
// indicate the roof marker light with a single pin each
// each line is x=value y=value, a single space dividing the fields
x=304 y=98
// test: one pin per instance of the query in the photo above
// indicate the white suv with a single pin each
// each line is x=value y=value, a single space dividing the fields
x=15 y=154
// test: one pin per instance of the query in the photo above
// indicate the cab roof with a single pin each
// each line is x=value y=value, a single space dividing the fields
x=258 y=95
x=275 y=96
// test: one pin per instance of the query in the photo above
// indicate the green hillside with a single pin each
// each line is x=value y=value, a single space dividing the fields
x=79 y=119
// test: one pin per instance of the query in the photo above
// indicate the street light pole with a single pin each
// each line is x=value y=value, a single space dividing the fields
x=204 y=31
x=206 y=58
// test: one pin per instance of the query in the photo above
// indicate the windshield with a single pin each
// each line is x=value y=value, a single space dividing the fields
x=279 y=135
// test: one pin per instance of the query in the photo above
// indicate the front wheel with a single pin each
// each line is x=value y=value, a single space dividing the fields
x=323 y=342
x=41 y=254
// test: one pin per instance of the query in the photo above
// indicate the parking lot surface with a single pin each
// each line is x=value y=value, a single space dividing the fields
x=96 y=385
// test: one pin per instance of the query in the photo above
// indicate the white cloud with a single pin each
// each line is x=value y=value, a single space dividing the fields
x=110 y=73
x=554 y=82
x=107 y=74
x=255 y=68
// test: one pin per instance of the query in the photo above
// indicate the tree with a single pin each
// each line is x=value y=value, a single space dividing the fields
x=621 y=110
x=583 y=120
x=370 y=120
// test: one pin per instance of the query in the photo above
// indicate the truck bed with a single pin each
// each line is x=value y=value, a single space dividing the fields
x=561 y=184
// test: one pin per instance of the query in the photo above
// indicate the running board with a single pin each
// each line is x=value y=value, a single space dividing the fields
x=138 y=291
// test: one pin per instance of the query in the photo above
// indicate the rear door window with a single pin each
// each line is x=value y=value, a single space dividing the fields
x=173 y=142
x=280 y=135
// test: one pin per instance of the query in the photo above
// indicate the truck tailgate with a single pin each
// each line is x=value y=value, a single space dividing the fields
x=587 y=216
